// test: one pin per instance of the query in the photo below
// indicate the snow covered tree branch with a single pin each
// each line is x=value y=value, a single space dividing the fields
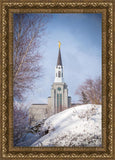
x=20 y=121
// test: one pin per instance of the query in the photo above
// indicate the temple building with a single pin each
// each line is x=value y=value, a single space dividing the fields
x=59 y=99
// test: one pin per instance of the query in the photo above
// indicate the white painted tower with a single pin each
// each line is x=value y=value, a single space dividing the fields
x=59 y=69
x=59 y=99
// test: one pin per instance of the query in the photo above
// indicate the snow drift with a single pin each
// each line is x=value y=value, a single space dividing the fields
x=77 y=126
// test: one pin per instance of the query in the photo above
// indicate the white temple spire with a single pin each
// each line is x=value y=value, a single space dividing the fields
x=59 y=68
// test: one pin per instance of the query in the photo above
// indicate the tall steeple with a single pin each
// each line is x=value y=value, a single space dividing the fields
x=59 y=60
x=59 y=68
x=59 y=99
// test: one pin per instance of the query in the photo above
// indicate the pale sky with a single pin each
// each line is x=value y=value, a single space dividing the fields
x=81 y=51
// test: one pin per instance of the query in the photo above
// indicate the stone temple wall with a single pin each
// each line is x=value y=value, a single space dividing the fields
x=38 y=112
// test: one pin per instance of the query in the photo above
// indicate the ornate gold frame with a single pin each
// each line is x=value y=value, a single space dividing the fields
x=7 y=150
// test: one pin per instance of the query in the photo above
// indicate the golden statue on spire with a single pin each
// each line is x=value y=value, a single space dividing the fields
x=59 y=44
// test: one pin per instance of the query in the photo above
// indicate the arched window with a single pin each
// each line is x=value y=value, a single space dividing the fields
x=59 y=102
x=59 y=74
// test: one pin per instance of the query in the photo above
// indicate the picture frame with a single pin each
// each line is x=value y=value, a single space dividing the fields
x=8 y=151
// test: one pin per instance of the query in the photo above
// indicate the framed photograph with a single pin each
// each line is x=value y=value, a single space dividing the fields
x=57 y=80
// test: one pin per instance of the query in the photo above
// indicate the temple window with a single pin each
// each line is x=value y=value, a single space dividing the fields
x=59 y=74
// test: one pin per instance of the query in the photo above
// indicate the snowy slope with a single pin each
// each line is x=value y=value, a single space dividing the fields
x=77 y=126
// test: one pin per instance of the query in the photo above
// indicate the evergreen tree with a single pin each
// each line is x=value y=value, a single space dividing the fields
x=84 y=99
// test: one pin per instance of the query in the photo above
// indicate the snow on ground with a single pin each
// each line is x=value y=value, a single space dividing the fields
x=77 y=126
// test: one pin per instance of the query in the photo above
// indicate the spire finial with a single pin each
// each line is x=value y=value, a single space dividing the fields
x=59 y=44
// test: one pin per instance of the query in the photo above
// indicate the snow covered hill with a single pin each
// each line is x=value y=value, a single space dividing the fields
x=77 y=126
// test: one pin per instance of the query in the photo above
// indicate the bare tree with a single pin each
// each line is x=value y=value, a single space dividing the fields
x=28 y=32
x=27 y=38
x=20 y=121
x=92 y=90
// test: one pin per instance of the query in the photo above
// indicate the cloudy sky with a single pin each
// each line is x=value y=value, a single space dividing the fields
x=80 y=37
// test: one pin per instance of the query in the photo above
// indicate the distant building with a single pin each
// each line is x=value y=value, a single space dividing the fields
x=59 y=99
